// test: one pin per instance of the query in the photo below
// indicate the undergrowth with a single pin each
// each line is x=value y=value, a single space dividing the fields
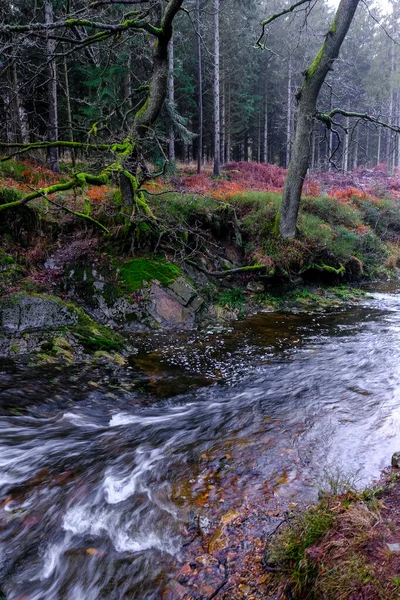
x=345 y=234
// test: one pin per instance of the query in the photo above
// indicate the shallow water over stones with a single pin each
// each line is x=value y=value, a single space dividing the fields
x=163 y=480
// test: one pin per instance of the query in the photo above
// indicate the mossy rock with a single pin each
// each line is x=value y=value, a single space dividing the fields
x=21 y=313
x=134 y=273
x=93 y=336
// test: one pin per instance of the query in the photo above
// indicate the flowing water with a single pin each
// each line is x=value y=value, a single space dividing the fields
x=109 y=476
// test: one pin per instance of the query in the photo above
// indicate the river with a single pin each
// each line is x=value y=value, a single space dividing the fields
x=115 y=482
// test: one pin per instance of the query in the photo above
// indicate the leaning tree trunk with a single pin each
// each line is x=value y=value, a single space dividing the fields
x=306 y=110
x=148 y=114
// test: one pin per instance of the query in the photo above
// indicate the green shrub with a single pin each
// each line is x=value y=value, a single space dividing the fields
x=382 y=216
x=8 y=194
x=332 y=211
x=232 y=298
x=12 y=168
x=345 y=243
x=315 y=230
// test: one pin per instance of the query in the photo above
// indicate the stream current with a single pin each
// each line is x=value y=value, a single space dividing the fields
x=101 y=473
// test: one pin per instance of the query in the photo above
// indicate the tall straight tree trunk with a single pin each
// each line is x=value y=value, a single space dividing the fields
x=16 y=108
x=306 y=112
x=289 y=113
x=346 y=146
x=217 y=132
x=389 y=134
x=52 y=89
x=228 y=127
x=265 y=150
x=223 y=120
x=378 y=154
x=171 y=99
x=355 y=155
x=398 y=124
x=69 y=111
x=199 y=89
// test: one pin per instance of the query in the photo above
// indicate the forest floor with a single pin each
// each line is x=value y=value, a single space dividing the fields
x=348 y=227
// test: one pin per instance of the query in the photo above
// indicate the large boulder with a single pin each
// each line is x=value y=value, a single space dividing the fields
x=22 y=312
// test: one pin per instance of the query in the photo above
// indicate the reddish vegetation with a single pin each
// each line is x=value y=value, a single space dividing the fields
x=32 y=175
x=238 y=177
x=360 y=184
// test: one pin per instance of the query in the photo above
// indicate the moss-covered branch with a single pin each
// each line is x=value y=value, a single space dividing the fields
x=245 y=270
x=80 y=180
x=113 y=28
x=327 y=118
x=23 y=148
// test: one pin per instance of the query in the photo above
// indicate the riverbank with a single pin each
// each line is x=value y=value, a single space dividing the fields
x=206 y=254
x=346 y=547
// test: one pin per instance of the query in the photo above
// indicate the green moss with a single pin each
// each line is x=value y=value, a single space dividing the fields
x=92 y=335
x=314 y=65
x=5 y=259
x=138 y=270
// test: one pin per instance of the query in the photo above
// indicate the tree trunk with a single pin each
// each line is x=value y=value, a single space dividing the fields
x=217 y=133
x=52 y=90
x=289 y=113
x=228 y=128
x=223 y=119
x=355 y=155
x=147 y=115
x=16 y=108
x=346 y=146
x=69 y=111
x=378 y=154
x=307 y=105
x=312 y=168
x=199 y=90
x=265 y=150
x=171 y=99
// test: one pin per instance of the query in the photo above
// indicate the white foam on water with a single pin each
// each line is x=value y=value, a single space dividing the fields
x=127 y=419
x=79 y=420
x=51 y=560
x=117 y=489
x=82 y=520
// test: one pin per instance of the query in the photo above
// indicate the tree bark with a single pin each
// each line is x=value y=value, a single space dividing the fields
x=223 y=119
x=52 y=89
x=307 y=106
x=171 y=99
x=217 y=132
x=265 y=149
x=289 y=113
x=199 y=89
x=346 y=146
x=69 y=111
